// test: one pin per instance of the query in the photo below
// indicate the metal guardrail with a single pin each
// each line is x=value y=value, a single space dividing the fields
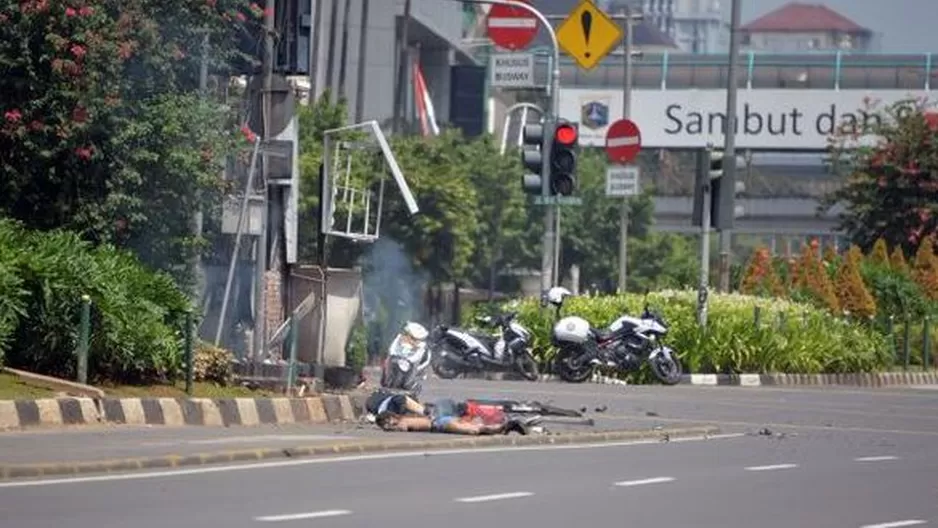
x=828 y=71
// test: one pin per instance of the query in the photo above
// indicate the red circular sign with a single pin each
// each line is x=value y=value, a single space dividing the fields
x=623 y=141
x=511 y=27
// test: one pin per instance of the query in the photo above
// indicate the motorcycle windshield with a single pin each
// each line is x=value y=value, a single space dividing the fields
x=410 y=352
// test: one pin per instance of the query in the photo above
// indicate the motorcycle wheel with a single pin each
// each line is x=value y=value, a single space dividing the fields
x=570 y=373
x=668 y=370
x=526 y=365
x=444 y=368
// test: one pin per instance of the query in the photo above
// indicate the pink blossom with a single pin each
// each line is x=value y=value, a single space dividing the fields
x=86 y=11
x=70 y=12
x=84 y=152
x=78 y=50
x=13 y=116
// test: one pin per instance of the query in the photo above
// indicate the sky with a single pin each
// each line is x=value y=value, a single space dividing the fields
x=904 y=26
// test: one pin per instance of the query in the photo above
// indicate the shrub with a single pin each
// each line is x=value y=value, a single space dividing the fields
x=136 y=314
x=812 y=281
x=925 y=269
x=760 y=278
x=789 y=337
x=897 y=260
x=212 y=364
x=854 y=298
x=12 y=292
x=880 y=253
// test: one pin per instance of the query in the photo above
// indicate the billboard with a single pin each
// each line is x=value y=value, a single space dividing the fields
x=766 y=119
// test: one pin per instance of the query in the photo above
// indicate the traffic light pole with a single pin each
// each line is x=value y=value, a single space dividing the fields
x=728 y=186
x=626 y=114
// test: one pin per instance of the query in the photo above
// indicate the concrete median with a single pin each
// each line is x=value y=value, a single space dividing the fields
x=352 y=447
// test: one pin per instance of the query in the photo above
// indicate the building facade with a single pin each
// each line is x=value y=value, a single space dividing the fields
x=354 y=52
x=799 y=28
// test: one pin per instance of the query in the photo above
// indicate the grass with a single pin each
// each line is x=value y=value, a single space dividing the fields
x=14 y=388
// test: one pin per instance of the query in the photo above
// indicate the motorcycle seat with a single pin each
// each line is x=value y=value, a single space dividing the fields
x=603 y=335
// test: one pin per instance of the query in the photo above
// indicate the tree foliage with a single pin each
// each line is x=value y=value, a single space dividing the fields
x=892 y=192
x=98 y=134
x=880 y=253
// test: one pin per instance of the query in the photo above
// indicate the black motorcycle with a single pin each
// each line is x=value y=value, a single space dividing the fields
x=456 y=351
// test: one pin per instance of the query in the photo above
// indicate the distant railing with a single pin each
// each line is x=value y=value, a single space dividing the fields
x=830 y=71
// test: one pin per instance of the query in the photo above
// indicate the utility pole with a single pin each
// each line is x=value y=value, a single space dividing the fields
x=260 y=285
x=362 y=53
x=403 y=59
x=626 y=114
x=703 y=177
x=195 y=266
x=728 y=186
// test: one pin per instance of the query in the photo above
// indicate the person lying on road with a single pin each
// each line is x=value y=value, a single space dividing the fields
x=382 y=401
x=447 y=416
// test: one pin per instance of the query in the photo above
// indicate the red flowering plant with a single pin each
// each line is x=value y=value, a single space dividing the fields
x=100 y=127
x=891 y=190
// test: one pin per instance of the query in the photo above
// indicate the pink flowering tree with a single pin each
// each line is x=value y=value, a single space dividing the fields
x=101 y=128
x=892 y=188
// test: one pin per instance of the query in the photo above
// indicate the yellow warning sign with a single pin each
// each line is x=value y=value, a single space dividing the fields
x=588 y=34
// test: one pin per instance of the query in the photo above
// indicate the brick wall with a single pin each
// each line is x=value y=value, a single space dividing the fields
x=274 y=304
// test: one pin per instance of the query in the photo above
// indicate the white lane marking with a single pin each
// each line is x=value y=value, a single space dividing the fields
x=897 y=524
x=301 y=516
x=656 y=480
x=499 y=496
x=331 y=460
x=770 y=468
x=875 y=458
x=247 y=440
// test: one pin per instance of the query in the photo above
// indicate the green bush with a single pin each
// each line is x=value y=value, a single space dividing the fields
x=136 y=314
x=12 y=292
x=790 y=337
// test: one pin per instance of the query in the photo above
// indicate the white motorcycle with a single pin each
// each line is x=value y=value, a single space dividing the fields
x=624 y=344
x=408 y=359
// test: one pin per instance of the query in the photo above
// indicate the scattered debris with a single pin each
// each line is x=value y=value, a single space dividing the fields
x=651 y=413
x=601 y=409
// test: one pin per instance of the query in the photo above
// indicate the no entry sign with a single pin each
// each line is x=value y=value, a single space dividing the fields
x=511 y=27
x=623 y=141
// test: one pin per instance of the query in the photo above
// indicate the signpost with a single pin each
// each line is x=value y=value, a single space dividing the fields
x=622 y=182
x=511 y=27
x=588 y=34
x=623 y=141
x=512 y=70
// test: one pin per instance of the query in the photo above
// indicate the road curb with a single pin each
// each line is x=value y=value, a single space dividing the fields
x=325 y=408
x=17 y=471
x=879 y=379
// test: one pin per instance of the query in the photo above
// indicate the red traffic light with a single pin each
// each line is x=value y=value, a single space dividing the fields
x=565 y=134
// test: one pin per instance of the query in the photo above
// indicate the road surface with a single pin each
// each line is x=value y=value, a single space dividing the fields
x=738 y=481
x=790 y=457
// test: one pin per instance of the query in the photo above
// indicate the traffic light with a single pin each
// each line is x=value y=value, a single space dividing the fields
x=533 y=137
x=711 y=178
x=566 y=136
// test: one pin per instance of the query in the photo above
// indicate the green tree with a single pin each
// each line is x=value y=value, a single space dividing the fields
x=590 y=232
x=501 y=211
x=892 y=192
x=88 y=87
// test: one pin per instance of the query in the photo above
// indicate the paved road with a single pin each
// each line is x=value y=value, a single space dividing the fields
x=744 y=481
x=832 y=409
x=840 y=414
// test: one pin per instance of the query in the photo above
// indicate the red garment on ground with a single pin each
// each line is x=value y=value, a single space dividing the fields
x=489 y=414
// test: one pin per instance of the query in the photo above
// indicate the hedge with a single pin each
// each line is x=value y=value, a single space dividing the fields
x=137 y=314
x=789 y=337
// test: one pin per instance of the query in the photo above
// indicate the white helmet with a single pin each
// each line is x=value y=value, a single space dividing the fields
x=415 y=330
x=556 y=295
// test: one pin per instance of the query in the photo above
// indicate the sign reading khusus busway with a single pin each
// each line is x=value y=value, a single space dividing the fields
x=512 y=70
